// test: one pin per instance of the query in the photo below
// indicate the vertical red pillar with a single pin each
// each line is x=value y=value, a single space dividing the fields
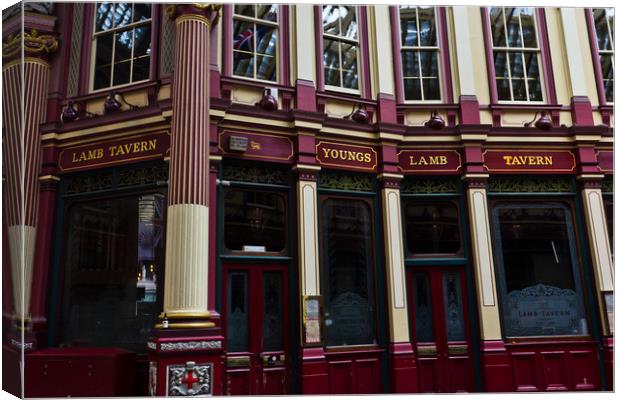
x=186 y=351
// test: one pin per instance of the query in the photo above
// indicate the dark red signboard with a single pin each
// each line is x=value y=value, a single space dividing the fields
x=428 y=161
x=533 y=161
x=346 y=156
x=113 y=152
x=605 y=160
x=259 y=146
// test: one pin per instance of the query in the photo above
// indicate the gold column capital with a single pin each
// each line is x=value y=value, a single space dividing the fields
x=205 y=12
x=34 y=45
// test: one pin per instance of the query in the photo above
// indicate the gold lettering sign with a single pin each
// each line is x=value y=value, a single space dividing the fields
x=428 y=160
x=114 y=151
x=346 y=155
x=511 y=160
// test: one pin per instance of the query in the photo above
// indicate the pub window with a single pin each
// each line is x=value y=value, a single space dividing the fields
x=255 y=41
x=538 y=278
x=419 y=53
x=516 y=54
x=347 y=261
x=341 y=48
x=604 y=26
x=254 y=221
x=432 y=227
x=122 y=44
x=113 y=280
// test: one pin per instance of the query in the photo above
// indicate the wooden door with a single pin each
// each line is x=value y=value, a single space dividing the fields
x=256 y=320
x=440 y=329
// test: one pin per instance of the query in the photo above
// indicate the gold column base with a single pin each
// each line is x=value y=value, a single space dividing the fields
x=180 y=320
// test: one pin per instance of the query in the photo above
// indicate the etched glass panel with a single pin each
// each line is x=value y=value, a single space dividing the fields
x=348 y=276
x=254 y=221
x=237 y=312
x=272 y=312
x=541 y=293
x=423 y=308
x=453 y=306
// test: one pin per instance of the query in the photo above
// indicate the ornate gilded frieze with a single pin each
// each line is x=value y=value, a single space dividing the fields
x=32 y=42
x=529 y=184
x=439 y=185
x=255 y=175
x=346 y=181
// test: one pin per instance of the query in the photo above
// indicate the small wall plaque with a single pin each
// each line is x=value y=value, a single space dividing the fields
x=238 y=143
x=312 y=308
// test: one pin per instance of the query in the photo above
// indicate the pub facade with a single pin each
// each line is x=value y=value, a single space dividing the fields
x=238 y=199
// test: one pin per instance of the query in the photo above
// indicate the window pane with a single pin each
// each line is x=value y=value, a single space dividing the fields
x=124 y=42
x=253 y=218
x=431 y=88
x=122 y=14
x=103 y=62
x=268 y=12
x=104 y=16
x=243 y=64
x=413 y=90
x=518 y=89
x=540 y=295
x=122 y=72
x=453 y=306
x=609 y=90
x=408 y=26
x=432 y=228
x=349 y=65
x=497 y=26
x=528 y=26
x=347 y=263
x=410 y=63
x=423 y=308
x=243 y=34
x=141 y=69
x=428 y=33
x=501 y=64
x=602 y=31
x=607 y=68
x=331 y=16
x=429 y=64
x=609 y=218
x=114 y=260
x=266 y=40
x=331 y=54
x=272 y=313
x=237 y=312
x=142 y=11
x=503 y=89
x=332 y=76
x=535 y=89
x=266 y=68
x=512 y=21
x=516 y=65
x=245 y=9
x=142 y=40
x=348 y=22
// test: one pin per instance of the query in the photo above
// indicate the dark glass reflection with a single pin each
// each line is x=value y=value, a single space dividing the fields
x=273 y=317
x=609 y=217
x=540 y=295
x=423 y=308
x=114 y=258
x=237 y=312
x=432 y=228
x=255 y=219
x=453 y=306
x=347 y=272
x=255 y=45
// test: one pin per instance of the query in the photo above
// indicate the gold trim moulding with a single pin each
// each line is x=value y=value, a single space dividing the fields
x=182 y=315
x=458 y=349
x=427 y=351
x=184 y=325
x=238 y=361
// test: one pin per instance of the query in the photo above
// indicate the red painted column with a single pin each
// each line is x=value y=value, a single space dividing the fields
x=186 y=350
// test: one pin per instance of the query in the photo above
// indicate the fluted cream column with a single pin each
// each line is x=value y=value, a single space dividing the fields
x=187 y=246
x=600 y=248
x=394 y=260
x=23 y=105
x=308 y=240
x=482 y=257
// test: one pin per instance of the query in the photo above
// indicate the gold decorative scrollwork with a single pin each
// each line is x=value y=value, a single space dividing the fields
x=33 y=44
x=171 y=10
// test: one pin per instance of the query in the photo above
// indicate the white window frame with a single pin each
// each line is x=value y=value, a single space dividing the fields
x=605 y=52
x=340 y=40
x=113 y=31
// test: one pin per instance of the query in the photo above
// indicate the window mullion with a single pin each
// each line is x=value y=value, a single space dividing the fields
x=255 y=55
x=525 y=77
x=512 y=96
x=113 y=59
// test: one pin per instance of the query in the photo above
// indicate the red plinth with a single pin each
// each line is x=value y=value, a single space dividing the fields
x=314 y=371
x=608 y=358
x=186 y=362
x=496 y=367
x=79 y=372
x=11 y=379
x=402 y=368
